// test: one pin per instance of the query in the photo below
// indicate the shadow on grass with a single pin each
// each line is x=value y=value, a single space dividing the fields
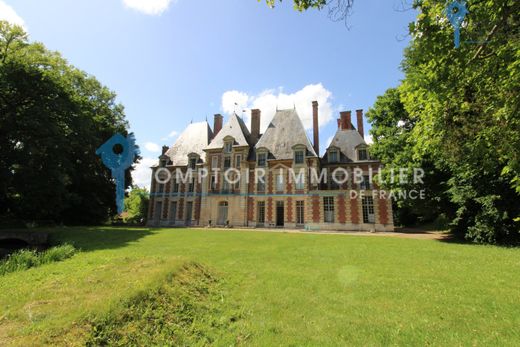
x=99 y=238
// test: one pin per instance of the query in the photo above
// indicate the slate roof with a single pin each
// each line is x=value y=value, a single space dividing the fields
x=347 y=141
x=285 y=131
x=236 y=128
x=193 y=139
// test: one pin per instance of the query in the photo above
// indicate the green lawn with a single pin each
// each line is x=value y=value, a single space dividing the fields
x=270 y=289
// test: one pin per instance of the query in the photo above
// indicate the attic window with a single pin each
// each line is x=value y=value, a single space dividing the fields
x=162 y=163
x=362 y=154
x=228 y=146
x=298 y=157
x=193 y=163
x=262 y=158
x=333 y=156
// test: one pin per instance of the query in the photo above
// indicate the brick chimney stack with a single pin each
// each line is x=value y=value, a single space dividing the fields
x=339 y=123
x=346 y=120
x=359 y=114
x=217 y=124
x=315 y=127
x=255 y=125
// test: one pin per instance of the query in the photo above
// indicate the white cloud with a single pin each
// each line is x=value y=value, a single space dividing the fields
x=142 y=175
x=269 y=100
x=368 y=139
x=152 y=147
x=7 y=13
x=151 y=7
x=173 y=133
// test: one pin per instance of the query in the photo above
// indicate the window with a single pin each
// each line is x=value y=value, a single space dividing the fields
x=175 y=187
x=162 y=163
x=213 y=182
x=368 y=209
x=333 y=156
x=365 y=183
x=261 y=212
x=228 y=146
x=161 y=188
x=362 y=154
x=225 y=186
x=300 y=182
x=173 y=211
x=227 y=162
x=298 y=157
x=300 y=212
x=214 y=162
x=328 y=209
x=237 y=182
x=262 y=158
x=260 y=185
x=193 y=163
x=238 y=161
x=279 y=183
x=191 y=186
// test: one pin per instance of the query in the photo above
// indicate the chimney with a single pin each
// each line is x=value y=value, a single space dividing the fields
x=255 y=125
x=339 y=123
x=165 y=149
x=346 y=121
x=315 y=127
x=359 y=114
x=217 y=124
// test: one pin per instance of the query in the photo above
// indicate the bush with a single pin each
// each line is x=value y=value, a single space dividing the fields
x=26 y=259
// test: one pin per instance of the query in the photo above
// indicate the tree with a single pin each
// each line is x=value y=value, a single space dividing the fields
x=393 y=144
x=338 y=10
x=466 y=102
x=136 y=205
x=52 y=118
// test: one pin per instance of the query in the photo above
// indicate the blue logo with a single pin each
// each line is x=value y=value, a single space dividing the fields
x=456 y=11
x=119 y=162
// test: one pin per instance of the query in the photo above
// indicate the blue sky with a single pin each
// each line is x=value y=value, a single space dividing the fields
x=172 y=62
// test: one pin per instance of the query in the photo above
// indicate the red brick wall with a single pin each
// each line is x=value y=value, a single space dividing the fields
x=197 y=209
x=165 y=208
x=251 y=182
x=270 y=183
x=289 y=213
x=354 y=211
x=316 y=208
x=269 y=210
x=250 y=208
x=342 y=213
x=180 y=207
x=383 y=211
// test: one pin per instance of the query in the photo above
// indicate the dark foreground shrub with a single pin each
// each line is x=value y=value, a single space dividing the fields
x=25 y=258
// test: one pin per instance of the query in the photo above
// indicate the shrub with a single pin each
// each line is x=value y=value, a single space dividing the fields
x=25 y=258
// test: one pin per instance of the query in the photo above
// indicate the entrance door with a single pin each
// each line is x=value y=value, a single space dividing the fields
x=189 y=209
x=279 y=214
x=222 y=213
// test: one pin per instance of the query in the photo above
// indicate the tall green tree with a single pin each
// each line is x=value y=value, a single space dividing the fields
x=136 y=205
x=393 y=144
x=52 y=118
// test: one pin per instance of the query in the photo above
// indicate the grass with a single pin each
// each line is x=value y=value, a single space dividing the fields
x=25 y=259
x=260 y=288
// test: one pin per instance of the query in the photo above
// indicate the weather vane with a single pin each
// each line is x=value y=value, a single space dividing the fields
x=119 y=162
x=456 y=11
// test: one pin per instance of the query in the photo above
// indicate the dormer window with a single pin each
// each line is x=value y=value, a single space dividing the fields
x=193 y=163
x=162 y=163
x=261 y=159
x=228 y=147
x=333 y=156
x=362 y=154
x=299 y=156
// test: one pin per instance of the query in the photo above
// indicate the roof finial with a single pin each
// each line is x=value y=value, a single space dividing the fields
x=294 y=105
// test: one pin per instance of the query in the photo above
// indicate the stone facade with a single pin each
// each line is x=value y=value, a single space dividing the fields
x=215 y=196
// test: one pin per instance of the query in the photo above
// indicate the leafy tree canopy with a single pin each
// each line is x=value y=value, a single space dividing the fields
x=52 y=118
x=460 y=108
